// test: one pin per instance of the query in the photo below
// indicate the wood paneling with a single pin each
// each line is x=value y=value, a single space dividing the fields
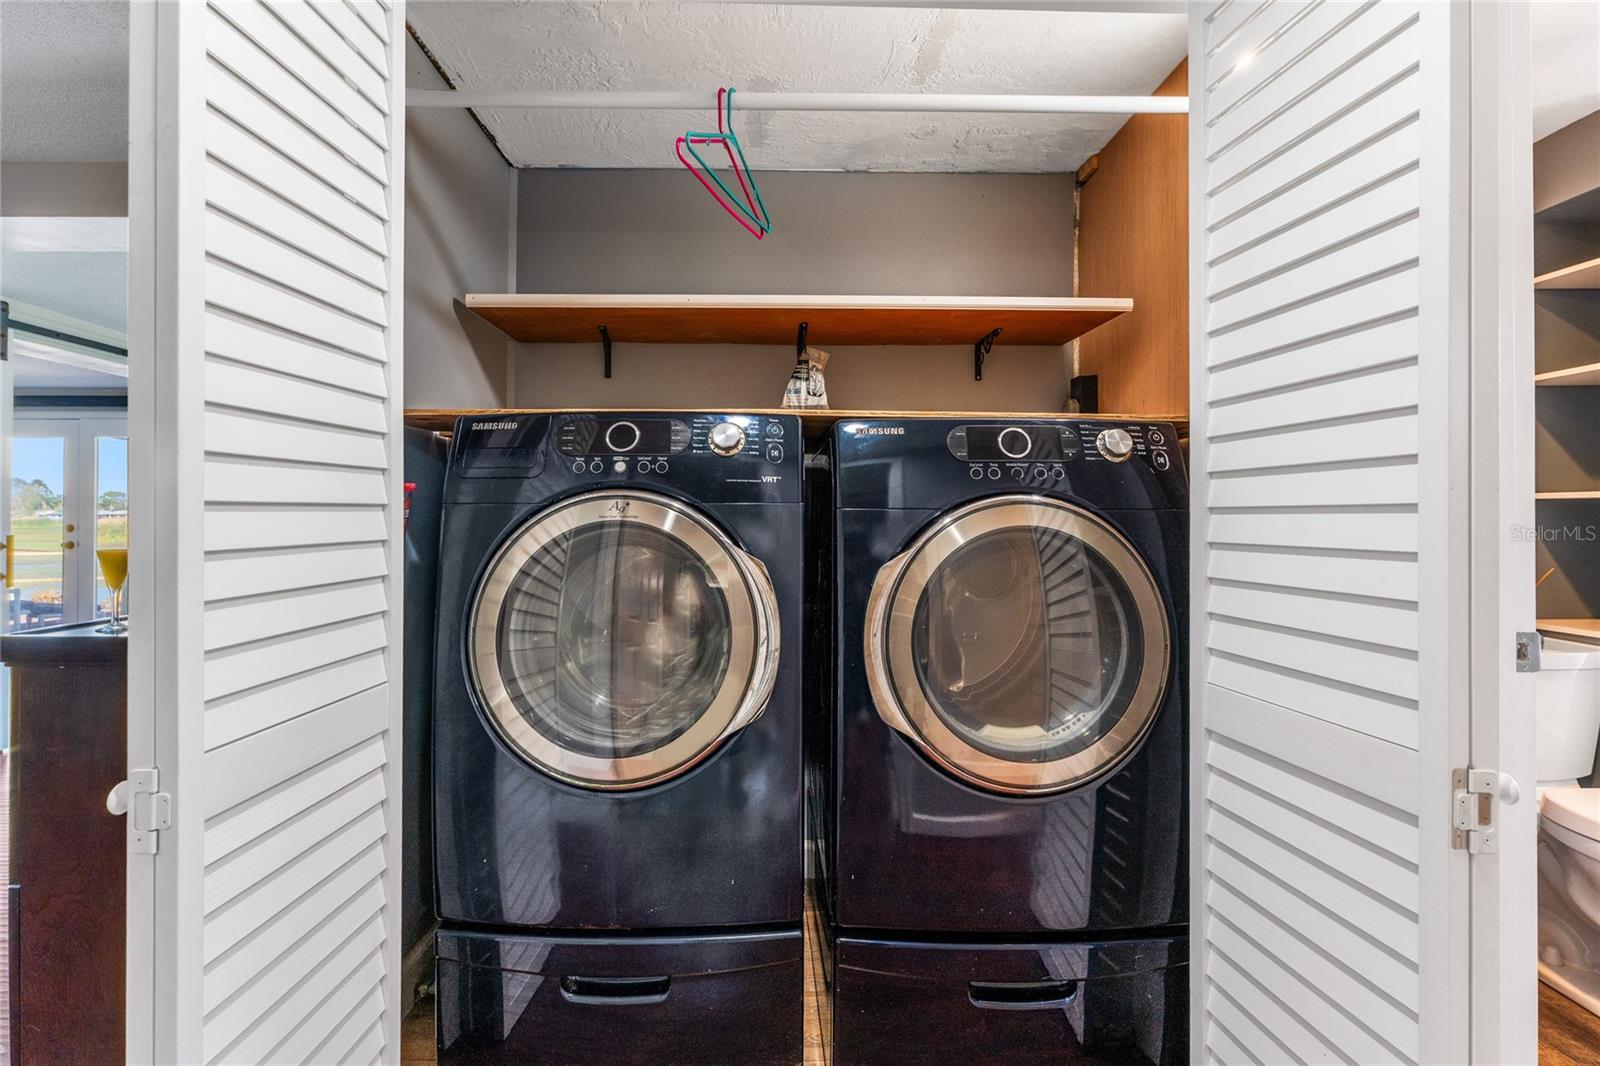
x=1133 y=240
x=775 y=319
x=68 y=854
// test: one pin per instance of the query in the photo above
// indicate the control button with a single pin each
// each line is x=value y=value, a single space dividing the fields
x=1015 y=443
x=1018 y=472
x=774 y=452
x=975 y=473
x=1157 y=437
x=994 y=473
x=1115 y=444
x=620 y=466
x=577 y=467
x=622 y=436
x=661 y=466
x=1058 y=471
x=1041 y=472
x=774 y=429
x=643 y=466
x=1160 y=460
x=595 y=466
x=726 y=438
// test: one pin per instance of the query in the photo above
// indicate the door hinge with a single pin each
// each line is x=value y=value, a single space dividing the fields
x=151 y=809
x=1528 y=653
x=1474 y=808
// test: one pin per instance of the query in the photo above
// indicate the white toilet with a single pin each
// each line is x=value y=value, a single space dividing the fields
x=1567 y=707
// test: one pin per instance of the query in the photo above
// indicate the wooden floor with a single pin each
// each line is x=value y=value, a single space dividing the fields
x=418 y=1048
x=1568 y=1034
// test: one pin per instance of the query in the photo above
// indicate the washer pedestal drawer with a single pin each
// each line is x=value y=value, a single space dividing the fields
x=1124 y=1003
x=653 y=1001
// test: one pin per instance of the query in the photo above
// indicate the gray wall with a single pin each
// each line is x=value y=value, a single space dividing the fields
x=460 y=224
x=656 y=231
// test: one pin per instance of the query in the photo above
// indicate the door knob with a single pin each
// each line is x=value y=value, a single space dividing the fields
x=71 y=528
x=69 y=544
x=117 y=798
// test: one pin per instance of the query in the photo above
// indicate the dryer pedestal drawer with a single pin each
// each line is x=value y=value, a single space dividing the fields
x=1124 y=1003
x=650 y=1001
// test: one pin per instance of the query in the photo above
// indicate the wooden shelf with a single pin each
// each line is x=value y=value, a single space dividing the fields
x=1572 y=375
x=1584 y=275
x=1566 y=496
x=1581 y=628
x=814 y=422
x=841 y=320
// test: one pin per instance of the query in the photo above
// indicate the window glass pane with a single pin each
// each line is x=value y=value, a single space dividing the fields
x=1027 y=644
x=111 y=514
x=614 y=639
x=38 y=488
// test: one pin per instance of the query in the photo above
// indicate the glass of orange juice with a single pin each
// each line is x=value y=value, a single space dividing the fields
x=114 y=568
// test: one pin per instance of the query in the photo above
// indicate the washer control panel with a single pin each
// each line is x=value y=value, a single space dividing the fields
x=622 y=436
x=1041 y=453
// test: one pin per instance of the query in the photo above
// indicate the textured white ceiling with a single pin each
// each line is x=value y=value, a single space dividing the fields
x=63 y=81
x=1566 y=62
x=683 y=46
x=76 y=267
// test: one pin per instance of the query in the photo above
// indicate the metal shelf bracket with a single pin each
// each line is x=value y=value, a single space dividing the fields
x=980 y=351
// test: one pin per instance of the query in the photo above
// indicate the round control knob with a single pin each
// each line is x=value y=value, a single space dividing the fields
x=726 y=438
x=622 y=436
x=1114 y=444
x=1014 y=442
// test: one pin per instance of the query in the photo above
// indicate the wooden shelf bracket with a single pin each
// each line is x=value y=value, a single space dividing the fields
x=980 y=351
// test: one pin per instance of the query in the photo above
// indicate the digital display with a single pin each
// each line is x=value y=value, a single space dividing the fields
x=1013 y=444
x=623 y=436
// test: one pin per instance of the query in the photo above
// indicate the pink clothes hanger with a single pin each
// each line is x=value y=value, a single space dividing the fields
x=752 y=213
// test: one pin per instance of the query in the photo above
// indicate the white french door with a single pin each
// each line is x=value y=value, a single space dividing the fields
x=1337 y=584
x=265 y=219
x=68 y=480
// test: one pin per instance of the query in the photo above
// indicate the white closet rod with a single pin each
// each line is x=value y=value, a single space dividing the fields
x=750 y=100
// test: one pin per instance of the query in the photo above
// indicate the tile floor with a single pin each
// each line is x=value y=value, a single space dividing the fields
x=417 y=1047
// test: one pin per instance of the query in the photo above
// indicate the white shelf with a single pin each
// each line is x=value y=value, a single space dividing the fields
x=1581 y=628
x=1567 y=495
x=1584 y=275
x=1588 y=374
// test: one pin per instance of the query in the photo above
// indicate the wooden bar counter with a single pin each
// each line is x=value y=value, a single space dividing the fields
x=67 y=935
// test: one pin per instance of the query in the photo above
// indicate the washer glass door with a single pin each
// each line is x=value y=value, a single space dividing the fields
x=619 y=637
x=1021 y=643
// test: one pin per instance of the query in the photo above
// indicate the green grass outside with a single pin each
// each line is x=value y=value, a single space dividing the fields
x=38 y=548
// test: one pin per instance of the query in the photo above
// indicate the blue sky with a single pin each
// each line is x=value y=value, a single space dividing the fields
x=43 y=458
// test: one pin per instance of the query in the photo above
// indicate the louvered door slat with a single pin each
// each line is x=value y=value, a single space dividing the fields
x=1323 y=239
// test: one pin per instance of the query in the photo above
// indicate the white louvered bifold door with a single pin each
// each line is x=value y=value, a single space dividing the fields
x=267 y=666
x=1328 y=191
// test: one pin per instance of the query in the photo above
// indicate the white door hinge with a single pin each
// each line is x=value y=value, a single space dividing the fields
x=1474 y=808
x=150 y=808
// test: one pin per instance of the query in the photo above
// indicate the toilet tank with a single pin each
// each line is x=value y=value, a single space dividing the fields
x=1567 y=707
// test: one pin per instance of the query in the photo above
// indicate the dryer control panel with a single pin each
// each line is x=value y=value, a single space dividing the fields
x=935 y=462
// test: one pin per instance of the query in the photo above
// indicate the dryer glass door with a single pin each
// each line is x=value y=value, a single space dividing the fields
x=619 y=637
x=1021 y=643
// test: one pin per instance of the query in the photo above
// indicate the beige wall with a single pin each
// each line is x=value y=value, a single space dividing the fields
x=893 y=234
x=64 y=190
x=460 y=225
